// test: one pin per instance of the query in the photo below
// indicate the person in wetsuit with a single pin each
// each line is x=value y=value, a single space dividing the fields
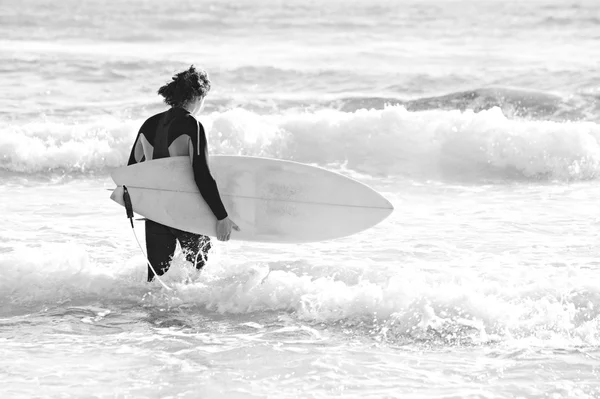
x=176 y=132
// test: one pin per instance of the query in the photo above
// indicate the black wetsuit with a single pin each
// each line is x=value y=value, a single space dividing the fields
x=173 y=133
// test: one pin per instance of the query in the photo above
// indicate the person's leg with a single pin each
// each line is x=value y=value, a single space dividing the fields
x=160 y=246
x=195 y=247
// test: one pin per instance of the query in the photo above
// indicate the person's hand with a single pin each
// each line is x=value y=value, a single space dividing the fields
x=224 y=229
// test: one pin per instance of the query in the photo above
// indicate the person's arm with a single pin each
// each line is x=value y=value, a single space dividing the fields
x=137 y=151
x=204 y=180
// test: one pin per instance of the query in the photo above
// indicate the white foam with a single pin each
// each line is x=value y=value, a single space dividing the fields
x=410 y=304
x=42 y=147
x=392 y=141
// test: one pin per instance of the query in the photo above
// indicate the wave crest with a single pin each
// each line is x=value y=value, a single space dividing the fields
x=392 y=141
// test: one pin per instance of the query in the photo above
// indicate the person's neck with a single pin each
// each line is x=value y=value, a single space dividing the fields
x=183 y=107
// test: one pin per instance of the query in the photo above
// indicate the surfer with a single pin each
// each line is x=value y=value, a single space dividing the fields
x=176 y=132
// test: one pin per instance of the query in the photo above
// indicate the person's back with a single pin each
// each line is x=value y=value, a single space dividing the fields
x=168 y=133
x=176 y=132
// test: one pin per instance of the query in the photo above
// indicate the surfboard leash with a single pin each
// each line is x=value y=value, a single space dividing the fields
x=129 y=211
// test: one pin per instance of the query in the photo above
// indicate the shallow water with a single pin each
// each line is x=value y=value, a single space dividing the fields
x=454 y=296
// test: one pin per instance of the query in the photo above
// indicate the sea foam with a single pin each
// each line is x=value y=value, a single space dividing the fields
x=380 y=142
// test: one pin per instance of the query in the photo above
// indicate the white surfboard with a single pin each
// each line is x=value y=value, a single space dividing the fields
x=270 y=200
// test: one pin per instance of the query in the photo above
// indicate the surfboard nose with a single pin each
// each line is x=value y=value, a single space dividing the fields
x=385 y=207
x=389 y=206
x=384 y=202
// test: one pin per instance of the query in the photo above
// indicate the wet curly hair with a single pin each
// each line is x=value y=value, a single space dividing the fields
x=185 y=87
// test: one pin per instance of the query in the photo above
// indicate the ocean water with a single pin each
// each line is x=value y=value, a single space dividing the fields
x=478 y=120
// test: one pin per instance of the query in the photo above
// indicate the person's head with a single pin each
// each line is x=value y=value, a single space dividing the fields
x=187 y=89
